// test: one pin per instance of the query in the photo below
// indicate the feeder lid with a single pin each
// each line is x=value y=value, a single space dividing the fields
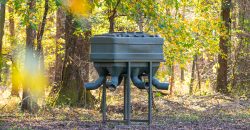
x=126 y=34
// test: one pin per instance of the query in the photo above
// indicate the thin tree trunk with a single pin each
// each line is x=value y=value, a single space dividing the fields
x=40 y=54
x=112 y=17
x=11 y=25
x=183 y=18
x=14 y=67
x=224 y=43
x=198 y=73
x=111 y=24
x=27 y=102
x=172 y=80
x=140 y=21
x=2 y=20
x=192 y=76
x=182 y=74
x=39 y=51
x=140 y=25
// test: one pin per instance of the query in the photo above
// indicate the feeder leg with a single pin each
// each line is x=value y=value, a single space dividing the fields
x=128 y=93
x=125 y=99
x=104 y=105
x=150 y=95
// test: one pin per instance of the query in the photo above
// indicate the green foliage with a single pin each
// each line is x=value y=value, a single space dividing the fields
x=58 y=2
x=3 y=1
x=158 y=94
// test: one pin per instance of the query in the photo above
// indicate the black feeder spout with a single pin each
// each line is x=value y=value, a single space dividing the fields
x=115 y=78
x=159 y=85
x=96 y=84
x=113 y=83
x=136 y=80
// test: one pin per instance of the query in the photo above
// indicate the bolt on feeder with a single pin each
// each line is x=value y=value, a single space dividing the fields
x=128 y=55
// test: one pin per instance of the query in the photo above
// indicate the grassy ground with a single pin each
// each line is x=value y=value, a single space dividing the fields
x=177 y=112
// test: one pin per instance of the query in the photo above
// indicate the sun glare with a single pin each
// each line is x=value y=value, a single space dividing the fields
x=31 y=76
x=78 y=7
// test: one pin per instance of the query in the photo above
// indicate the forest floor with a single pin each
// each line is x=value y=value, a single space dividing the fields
x=177 y=112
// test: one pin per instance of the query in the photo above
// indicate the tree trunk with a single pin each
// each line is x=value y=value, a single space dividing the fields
x=11 y=24
x=75 y=67
x=182 y=74
x=111 y=24
x=60 y=32
x=14 y=67
x=198 y=72
x=239 y=62
x=2 y=20
x=28 y=103
x=40 y=54
x=140 y=21
x=172 y=80
x=183 y=18
x=86 y=98
x=192 y=76
x=39 y=51
x=224 y=43
x=112 y=17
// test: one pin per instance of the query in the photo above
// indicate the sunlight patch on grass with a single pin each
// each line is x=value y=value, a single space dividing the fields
x=185 y=117
x=61 y=117
x=5 y=94
x=9 y=104
x=198 y=108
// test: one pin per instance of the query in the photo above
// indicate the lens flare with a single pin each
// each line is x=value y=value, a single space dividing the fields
x=78 y=7
x=30 y=76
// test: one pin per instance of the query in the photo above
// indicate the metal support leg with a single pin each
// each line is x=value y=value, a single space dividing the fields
x=128 y=94
x=125 y=99
x=150 y=95
x=104 y=104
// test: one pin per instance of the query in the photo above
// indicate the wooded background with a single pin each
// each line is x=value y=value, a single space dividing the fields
x=44 y=45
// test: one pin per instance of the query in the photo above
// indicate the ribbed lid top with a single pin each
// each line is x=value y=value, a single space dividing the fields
x=127 y=34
